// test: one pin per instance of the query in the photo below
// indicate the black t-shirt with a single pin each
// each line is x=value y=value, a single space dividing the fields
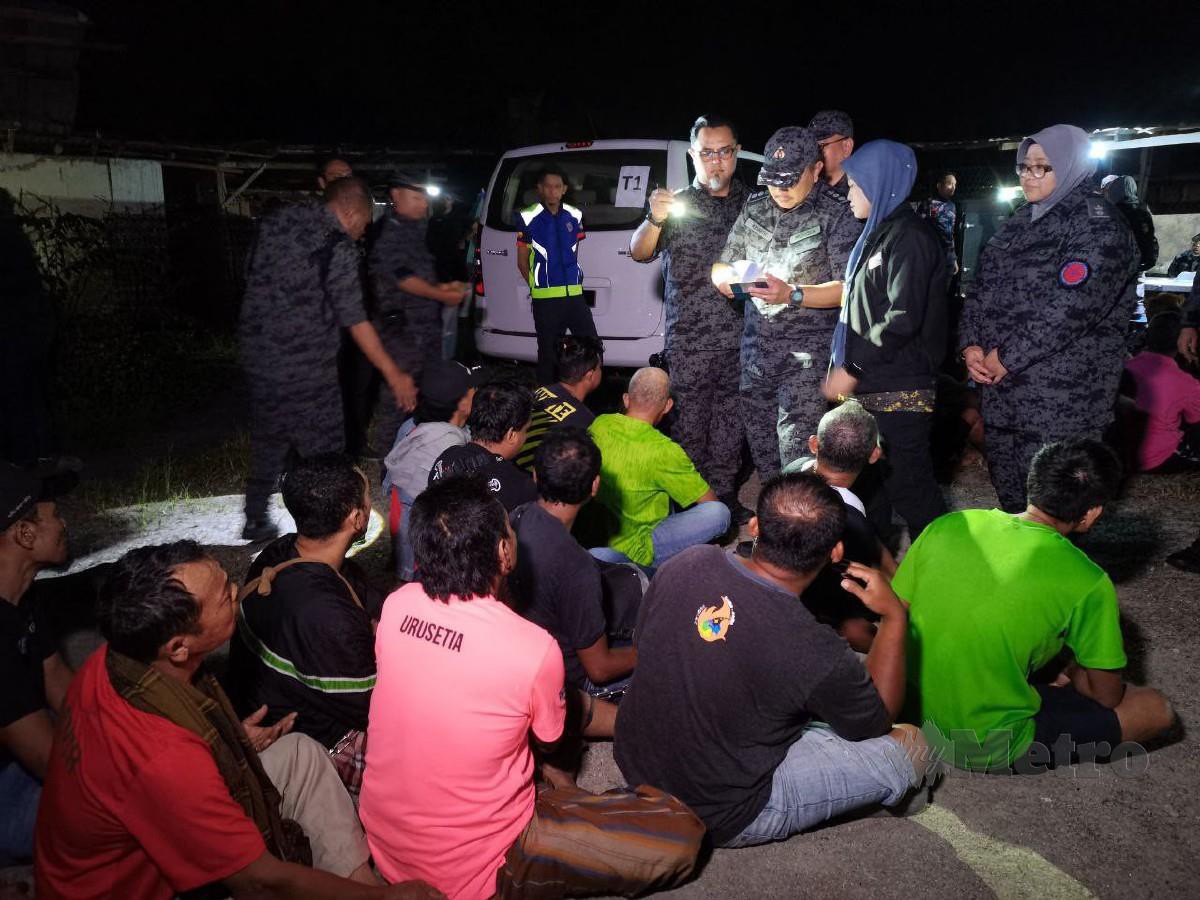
x=557 y=585
x=730 y=669
x=553 y=407
x=305 y=647
x=25 y=644
x=511 y=486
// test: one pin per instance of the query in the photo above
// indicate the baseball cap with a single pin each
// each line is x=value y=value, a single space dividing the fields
x=789 y=151
x=403 y=179
x=444 y=381
x=21 y=489
x=829 y=122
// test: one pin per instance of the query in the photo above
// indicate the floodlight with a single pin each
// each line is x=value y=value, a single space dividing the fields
x=433 y=190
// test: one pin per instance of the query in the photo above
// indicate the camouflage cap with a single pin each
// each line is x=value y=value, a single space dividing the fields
x=790 y=149
x=829 y=122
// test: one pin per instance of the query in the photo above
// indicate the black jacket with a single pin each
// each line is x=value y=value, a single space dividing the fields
x=896 y=306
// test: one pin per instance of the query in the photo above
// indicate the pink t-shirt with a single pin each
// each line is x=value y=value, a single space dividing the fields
x=448 y=784
x=1167 y=395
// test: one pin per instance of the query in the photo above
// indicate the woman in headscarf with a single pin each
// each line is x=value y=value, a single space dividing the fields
x=1043 y=330
x=891 y=335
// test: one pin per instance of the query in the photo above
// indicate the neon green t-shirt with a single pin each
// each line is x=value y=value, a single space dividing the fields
x=993 y=599
x=641 y=471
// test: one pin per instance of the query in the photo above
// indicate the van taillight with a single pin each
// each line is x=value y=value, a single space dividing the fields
x=578 y=145
x=478 y=274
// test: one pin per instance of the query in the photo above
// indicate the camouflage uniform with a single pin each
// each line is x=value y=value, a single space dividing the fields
x=303 y=285
x=409 y=326
x=1051 y=295
x=704 y=332
x=785 y=348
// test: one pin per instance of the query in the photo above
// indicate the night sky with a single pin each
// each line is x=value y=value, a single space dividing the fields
x=490 y=75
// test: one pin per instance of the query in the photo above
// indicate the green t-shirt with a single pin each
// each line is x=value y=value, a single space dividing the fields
x=993 y=599
x=641 y=471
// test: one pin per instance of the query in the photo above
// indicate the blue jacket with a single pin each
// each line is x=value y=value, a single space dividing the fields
x=552 y=242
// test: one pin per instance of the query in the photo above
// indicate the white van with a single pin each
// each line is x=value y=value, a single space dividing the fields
x=609 y=181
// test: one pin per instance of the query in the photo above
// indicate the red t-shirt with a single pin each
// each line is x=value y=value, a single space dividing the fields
x=133 y=805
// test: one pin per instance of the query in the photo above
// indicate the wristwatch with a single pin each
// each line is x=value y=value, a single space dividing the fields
x=657 y=223
x=796 y=298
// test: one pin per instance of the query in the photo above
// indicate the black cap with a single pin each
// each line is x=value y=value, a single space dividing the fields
x=829 y=122
x=402 y=179
x=444 y=381
x=789 y=151
x=21 y=489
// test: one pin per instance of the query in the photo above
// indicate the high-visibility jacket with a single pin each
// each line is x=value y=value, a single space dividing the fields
x=552 y=242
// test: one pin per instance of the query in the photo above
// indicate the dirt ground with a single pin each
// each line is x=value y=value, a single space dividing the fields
x=1103 y=831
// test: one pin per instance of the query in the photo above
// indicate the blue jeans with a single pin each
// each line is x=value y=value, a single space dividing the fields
x=678 y=531
x=824 y=776
x=19 y=796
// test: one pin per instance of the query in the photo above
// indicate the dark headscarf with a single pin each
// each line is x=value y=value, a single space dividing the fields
x=885 y=172
x=1067 y=149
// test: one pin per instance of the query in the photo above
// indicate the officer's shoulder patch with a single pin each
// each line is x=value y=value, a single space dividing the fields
x=1073 y=273
x=1098 y=208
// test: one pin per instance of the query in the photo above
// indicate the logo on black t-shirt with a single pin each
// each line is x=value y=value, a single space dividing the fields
x=714 y=622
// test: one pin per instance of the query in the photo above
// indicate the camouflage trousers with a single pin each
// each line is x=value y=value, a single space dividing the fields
x=708 y=424
x=409 y=348
x=294 y=418
x=780 y=411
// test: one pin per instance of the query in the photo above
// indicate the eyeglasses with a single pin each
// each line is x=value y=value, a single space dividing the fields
x=832 y=140
x=778 y=179
x=720 y=153
x=1038 y=172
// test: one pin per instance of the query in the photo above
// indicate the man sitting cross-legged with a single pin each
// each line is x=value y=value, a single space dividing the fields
x=305 y=648
x=154 y=788
x=498 y=422
x=995 y=597
x=447 y=391
x=580 y=367
x=557 y=584
x=846 y=443
x=448 y=793
x=758 y=717
x=643 y=471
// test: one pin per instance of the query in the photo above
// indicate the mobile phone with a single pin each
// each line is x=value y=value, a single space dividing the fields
x=842 y=568
x=742 y=288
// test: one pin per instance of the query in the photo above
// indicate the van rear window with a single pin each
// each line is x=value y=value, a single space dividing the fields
x=595 y=179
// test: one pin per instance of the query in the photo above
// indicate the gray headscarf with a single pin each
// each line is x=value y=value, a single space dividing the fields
x=1067 y=149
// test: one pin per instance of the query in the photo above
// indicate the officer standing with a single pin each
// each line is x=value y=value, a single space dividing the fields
x=834 y=134
x=801 y=237
x=1043 y=333
x=304 y=285
x=408 y=295
x=704 y=330
x=548 y=236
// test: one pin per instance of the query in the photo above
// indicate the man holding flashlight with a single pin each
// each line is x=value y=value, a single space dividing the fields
x=800 y=238
x=704 y=330
x=409 y=298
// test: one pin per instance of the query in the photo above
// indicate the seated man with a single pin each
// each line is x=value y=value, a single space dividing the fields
x=498 y=422
x=642 y=471
x=1167 y=397
x=580 y=361
x=448 y=795
x=154 y=788
x=447 y=390
x=305 y=648
x=846 y=442
x=995 y=597
x=758 y=717
x=32 y=537
x=557 y=584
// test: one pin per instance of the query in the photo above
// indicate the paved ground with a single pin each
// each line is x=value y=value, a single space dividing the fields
x=1098 y=831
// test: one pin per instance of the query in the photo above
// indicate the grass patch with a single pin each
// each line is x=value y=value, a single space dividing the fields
x=173 y=476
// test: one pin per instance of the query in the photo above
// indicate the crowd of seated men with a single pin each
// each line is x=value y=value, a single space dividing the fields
x=426 y=743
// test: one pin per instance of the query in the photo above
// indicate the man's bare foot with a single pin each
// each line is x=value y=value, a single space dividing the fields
x=557 y=778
